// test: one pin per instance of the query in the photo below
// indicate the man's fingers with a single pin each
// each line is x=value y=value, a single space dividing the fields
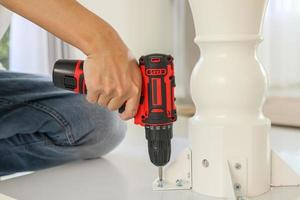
x=92 y=97
x=115 y=103
x=104 y=100
x=131 y=108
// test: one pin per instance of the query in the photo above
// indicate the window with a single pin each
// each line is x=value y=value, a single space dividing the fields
x=4 y=50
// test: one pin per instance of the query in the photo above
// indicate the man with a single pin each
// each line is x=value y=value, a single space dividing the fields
x=42 y=126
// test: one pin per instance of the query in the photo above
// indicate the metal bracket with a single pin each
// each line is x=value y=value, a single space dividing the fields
x=178 y=174
x=237 y=178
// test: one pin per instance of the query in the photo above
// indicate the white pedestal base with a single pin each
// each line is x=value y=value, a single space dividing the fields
x=242 y=146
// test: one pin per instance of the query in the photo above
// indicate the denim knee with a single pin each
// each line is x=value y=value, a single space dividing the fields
x=107 y=134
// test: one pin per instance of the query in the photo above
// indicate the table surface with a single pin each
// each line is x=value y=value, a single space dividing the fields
x=126 y=173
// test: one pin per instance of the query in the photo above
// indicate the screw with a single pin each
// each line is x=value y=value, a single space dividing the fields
x=179 y=182
x=237 y=186
x=160 y=183
x=205 y=163
x=238 y=166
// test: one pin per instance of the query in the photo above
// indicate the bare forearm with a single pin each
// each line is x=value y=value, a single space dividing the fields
x=66 y=19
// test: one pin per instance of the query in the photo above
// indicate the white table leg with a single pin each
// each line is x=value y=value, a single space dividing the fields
x=228 y=87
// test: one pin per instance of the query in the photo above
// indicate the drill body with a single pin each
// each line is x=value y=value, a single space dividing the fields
x=157 y=110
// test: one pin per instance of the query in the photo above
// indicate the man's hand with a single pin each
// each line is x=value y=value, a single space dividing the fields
x=111 y=72
x=113 y=79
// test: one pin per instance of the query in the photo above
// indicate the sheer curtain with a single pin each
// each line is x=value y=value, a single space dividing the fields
x=5 y=16
x=280 y=50
x=32 y=49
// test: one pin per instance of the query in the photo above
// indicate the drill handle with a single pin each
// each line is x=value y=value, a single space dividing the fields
x=68 y=75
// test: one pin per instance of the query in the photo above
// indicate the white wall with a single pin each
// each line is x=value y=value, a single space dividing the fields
x=151 y=26
x=279 y=52
x=145 y=26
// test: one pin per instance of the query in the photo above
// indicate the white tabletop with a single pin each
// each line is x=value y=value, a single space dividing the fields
x=125 y=174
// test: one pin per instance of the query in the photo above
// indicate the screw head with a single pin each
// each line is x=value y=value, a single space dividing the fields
x=238 y=166
x=205 y=163
x=237 y=186
x=179 y=182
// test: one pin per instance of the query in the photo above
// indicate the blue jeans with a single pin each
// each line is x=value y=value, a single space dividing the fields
x=43 y=126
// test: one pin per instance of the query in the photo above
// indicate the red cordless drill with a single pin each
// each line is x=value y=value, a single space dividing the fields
x=157 y=110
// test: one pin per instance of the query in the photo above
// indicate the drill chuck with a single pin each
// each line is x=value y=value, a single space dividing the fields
x=159 y=143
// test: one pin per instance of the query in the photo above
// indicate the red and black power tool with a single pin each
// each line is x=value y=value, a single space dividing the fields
x=157 y=110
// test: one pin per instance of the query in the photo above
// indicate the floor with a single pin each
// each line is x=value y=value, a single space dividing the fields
x=125 y=174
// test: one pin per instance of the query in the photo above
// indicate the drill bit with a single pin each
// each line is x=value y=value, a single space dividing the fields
x=160 y=176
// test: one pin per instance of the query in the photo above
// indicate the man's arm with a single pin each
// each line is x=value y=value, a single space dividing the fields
x=112 y=74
